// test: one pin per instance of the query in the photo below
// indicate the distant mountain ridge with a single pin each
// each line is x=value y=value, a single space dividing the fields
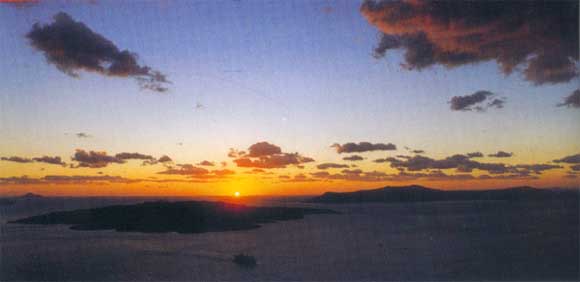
x=417 y=193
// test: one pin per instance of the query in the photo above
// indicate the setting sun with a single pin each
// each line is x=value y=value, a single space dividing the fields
x=373 y=139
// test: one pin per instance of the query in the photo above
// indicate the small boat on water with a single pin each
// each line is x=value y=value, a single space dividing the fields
x=245 y=260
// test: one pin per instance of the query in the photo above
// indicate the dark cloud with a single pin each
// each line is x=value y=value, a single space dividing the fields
x=475 y=102
x=20 y=180
x=474 y=155
x=355 y=175
x=265 y=155
x=296 y=178
x=263 y=149
x=572 y=101
x=496 y=103
x=185 y=169
x=72 y=47
x=526 y=169
x=50 y=160
x=464 y=164
x=465 y=103
x=66 y=179
x=273 y=161
x=164 y=159
x=351 y=171
x=362 y=147
x=575 y=167
x=80 y=179
x=573 y=159
x=461 y=163
x=500 y=154
x=223 y=172
x=353 y=158
x=93 y=159
x=44 y=159
x=256 y=171
x=206 y=163
x=352 y=175
x=87 y=179
x=133 y=156
x=17 y=159
x=433 y=175
x=83 y=135
x=233 y=153
x=321 y=174
x=331 y=165
x=195 y=172
x=418 y=152
x=538 y=38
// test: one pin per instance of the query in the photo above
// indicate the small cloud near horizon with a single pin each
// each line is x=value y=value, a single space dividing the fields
x=266 y=155
x=500 y=154
x=94 y=159
x=331 y=165
x=362 y=147
x=475 y=102
x=353 y=158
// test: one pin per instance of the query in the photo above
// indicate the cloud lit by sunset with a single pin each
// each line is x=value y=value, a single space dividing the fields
x=179 y=102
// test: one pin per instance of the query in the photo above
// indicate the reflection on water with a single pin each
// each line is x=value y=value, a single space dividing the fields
x=434 y=241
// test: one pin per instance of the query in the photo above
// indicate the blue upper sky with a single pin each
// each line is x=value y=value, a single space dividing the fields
x=300 y=74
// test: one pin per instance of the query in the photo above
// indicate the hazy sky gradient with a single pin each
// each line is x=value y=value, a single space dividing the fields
x=298 y=74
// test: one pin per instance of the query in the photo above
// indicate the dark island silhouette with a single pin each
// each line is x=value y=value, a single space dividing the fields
x=417 y=193
x=8 y=201
x=180 y=217
x=31 y=196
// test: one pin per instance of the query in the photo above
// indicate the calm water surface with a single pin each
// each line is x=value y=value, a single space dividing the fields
x=433 y=241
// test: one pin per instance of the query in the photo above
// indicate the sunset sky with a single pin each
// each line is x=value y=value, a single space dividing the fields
x=286 y=97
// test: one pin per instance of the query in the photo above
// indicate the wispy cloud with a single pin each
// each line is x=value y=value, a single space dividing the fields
x=331 y=165
x=17 y=159
x=362 y=147
x=195 y=172
x=572 y=100
x=572 y=159
x=133 y=156
x=44 y=159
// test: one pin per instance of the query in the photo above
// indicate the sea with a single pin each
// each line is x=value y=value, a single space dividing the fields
x=443 y=241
